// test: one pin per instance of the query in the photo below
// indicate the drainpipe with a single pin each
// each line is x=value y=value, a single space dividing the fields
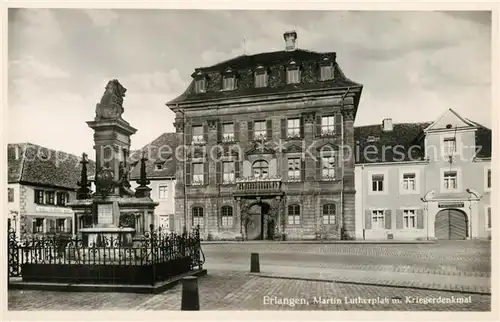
x=342 y=160
x=363 y=200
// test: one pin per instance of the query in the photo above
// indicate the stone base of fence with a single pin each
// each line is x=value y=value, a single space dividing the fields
x=18 y=284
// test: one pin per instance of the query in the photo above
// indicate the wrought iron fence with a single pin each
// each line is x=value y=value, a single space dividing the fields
x=155 y=256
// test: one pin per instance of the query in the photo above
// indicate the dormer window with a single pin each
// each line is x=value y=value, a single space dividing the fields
x=228 y=83
x=228 y=80
x=326 y=72
x=292 y=73
x=199 y=85
x=260 y=77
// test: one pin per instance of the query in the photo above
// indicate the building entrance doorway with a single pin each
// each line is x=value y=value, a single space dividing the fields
x=451 y=224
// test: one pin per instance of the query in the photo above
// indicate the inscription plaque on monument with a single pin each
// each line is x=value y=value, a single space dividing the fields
x=104 y=213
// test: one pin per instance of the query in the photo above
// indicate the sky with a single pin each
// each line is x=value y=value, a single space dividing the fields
x=413 y=65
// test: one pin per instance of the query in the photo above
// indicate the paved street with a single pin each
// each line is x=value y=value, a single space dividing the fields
x=400 y=270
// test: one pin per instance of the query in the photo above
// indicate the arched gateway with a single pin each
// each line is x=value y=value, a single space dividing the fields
x=451 y=224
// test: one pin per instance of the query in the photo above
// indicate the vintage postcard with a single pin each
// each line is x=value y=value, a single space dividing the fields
x=210 y=159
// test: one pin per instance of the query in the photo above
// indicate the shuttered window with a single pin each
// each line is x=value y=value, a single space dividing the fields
x=228 y=83
x=197 y=174
x=293 y=76
x=294 y=169
x=228 y=175
x=260 y=130
x=199 y=86
x=260 y=79
x=329 y=214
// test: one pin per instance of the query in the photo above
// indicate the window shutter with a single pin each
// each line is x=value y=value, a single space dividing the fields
x=387 y=219
x=420 y=218
x=338 y=124
x=69 y=225
x=318 y=125
x=205 y=173
x=283 y=128
x=33 y=225
x=171 y=222
x=52 y=225
x=338 y=165
x=236 y=131
x=188 y=173
x=489 y=217
x=399 y=219
x=219 y=131
x=237 y=169
x=318 y=169
x=189 y=134
x=303 y=170
x=301 y=126
x=94 y=212
x=205 y=132
x=269 y=128
x=36 y=196
x=250 y=130
x=218 y=172
x=368 y=219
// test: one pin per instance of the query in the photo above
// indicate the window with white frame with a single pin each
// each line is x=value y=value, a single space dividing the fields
x=409 y=182
x=377 y=182
x=197 y=173
x=293 y=76
x=294 y=214
x=228 y=132
x=38 y=225
x=378 y=219
x=449 y=146
x=260 y=130
x=198 y=217
x=329 y=214
x=198 y=134
x=260 y=169
x=260 y=78
x=227 y=216
x=328 y=125
x=199 y=85
x=293 y=128
x=228 y=83
x=293 y=169
x=328 y=163
x=409 y=218
x=450 y=180
x=228 y=171
x=39 y=197
x=162 y=192
x=326 y=72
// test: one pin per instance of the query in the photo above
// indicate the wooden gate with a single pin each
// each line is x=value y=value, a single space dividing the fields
x=451 y=224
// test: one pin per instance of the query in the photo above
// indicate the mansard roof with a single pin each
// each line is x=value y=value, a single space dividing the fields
x=275 y=64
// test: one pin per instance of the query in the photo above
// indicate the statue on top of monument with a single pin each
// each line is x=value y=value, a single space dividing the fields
x=111 y=105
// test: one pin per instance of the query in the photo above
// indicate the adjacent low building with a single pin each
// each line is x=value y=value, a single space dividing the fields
x=41 y=181
x=160 y=169
x=428 y=180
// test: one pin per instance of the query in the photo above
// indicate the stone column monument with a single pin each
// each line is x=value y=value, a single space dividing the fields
x=115 y=211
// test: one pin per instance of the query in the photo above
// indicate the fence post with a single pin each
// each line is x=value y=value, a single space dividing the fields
x=254 y=263
x=190 y=296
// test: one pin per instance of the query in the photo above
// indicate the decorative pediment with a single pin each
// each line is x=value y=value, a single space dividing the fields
x=309 y=117
x=293 y=148
x=292 y=64
x=259 y=148
x=328 y=147
x=450 y=120
x=213 y=124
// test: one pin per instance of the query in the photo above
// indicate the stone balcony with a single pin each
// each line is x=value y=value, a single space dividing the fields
x=269 y=186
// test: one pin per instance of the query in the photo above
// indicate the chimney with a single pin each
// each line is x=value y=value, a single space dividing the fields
x=290 y=40
x=387 y=125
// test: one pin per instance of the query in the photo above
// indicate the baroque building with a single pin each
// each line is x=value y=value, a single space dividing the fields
x=264 y=139
x=429 y=180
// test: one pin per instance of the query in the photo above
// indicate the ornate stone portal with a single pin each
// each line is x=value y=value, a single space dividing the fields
x=273 y=219
x=114 y=211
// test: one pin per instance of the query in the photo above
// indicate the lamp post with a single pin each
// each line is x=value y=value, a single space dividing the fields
x=184 y=164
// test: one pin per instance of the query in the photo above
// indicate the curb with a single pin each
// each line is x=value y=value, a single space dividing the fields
x=370 y=284
x=141 y=289
x=318 y=242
